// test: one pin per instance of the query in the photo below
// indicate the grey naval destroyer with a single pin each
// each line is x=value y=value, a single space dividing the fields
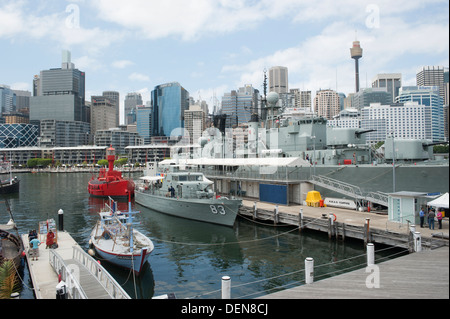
x=298 y=150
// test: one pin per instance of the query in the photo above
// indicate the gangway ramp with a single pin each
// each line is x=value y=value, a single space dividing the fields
x=84 y=277
x=349 y=190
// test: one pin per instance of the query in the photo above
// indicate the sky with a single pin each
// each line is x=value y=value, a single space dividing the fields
x=214 y=46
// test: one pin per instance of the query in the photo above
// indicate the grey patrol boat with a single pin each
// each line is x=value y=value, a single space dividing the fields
x=187 y=195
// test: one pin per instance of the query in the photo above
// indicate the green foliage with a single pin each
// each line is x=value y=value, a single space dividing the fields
x=439 y=149
x=39 y=162
x=102 y=162
x=7 y=279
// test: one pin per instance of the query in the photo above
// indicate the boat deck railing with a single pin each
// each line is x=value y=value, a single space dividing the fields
x=84 y=276
x=113 y=288
x=74 y=289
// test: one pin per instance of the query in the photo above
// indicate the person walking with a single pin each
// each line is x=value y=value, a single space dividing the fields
x=439 y=218
x=422 y=217
x=431 y=216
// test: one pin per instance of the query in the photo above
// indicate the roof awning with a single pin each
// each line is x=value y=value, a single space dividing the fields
x=266 y=161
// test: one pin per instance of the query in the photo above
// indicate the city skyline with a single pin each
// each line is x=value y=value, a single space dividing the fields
x=213 y=47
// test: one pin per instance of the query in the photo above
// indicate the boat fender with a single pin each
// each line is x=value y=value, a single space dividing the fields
x=91 y=252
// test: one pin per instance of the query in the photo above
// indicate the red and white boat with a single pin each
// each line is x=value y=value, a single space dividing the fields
x=110 y=183
x=112 y=240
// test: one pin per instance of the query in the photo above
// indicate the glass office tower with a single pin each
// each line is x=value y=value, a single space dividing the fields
x=169 y=101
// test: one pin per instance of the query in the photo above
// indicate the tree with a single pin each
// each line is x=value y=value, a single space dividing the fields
x=102 y=162
x=7 y=279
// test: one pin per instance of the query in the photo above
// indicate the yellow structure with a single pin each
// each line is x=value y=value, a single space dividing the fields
x=314 y=199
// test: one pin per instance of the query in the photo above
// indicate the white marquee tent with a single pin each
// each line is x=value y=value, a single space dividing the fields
x=441 y=201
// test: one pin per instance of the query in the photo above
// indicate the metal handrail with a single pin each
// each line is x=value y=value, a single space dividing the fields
x=106 y=280
x=74 y=289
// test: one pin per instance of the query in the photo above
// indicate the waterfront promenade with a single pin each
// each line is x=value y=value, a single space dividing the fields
x=351 y=219
x=422 y=275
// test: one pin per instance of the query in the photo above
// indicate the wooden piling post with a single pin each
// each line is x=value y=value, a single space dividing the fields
x=300 y=219
x=275 y=215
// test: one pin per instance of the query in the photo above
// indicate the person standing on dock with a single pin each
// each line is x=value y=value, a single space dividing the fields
x=34 y=251
x=50 y=239
x=431 y=216
x=422 y=217
x=439 y=218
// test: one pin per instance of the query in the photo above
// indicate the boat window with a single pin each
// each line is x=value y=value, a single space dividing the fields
x=183 y=178
x=175 y=178
x=194 y=178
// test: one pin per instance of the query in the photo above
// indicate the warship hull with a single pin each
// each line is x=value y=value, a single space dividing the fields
x=380 y=178
x=221 y=211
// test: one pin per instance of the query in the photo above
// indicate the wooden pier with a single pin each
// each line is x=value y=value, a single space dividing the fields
x=344 y=223
x=422 y=275
x=84 y=277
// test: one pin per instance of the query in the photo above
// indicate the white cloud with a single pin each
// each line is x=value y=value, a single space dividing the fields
x=121 y=64
x=138 y=77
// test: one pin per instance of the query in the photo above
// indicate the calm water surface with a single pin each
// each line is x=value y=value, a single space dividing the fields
x=190 y=257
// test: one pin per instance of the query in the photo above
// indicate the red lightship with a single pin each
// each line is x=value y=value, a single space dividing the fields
x=110 y=183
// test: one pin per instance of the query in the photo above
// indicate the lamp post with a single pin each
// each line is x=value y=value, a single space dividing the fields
x=314 y=148
x=393 y=163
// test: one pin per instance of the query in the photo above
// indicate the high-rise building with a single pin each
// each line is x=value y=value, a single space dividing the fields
x=370 y=95
x=408 y=120
x=63 y=133
x=114 y=97
x=131 y=101
x=428 y=96
x=103 y=115
x=301 y=98
x=431 y=76
x=278 y=79
x=326 y=103
x=144 y=123
x=391 y=81
x=59 y=94
x=238 y=106
x=194 y=122
x=169 y=101
x=7 y=100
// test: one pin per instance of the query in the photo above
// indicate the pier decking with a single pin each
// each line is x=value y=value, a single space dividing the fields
x=366 y=226
x=82 y=272
x=421 y=275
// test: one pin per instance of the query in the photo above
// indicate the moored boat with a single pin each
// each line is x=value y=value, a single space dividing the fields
x=116 y=241
x=10 y=186
x=186 y=195
x=110 y=183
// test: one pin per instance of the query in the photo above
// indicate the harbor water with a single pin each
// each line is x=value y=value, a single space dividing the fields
x=190 y=257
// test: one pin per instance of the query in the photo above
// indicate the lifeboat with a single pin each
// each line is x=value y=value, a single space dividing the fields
x=110 y=183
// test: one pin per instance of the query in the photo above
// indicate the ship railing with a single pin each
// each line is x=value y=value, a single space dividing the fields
x=341 y=187
x=378 y=198
x=101 y=274
x=74 y=289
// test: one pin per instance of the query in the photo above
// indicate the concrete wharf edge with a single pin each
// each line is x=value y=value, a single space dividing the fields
x=349 y=223
x=421 y=275
x=45 y=279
